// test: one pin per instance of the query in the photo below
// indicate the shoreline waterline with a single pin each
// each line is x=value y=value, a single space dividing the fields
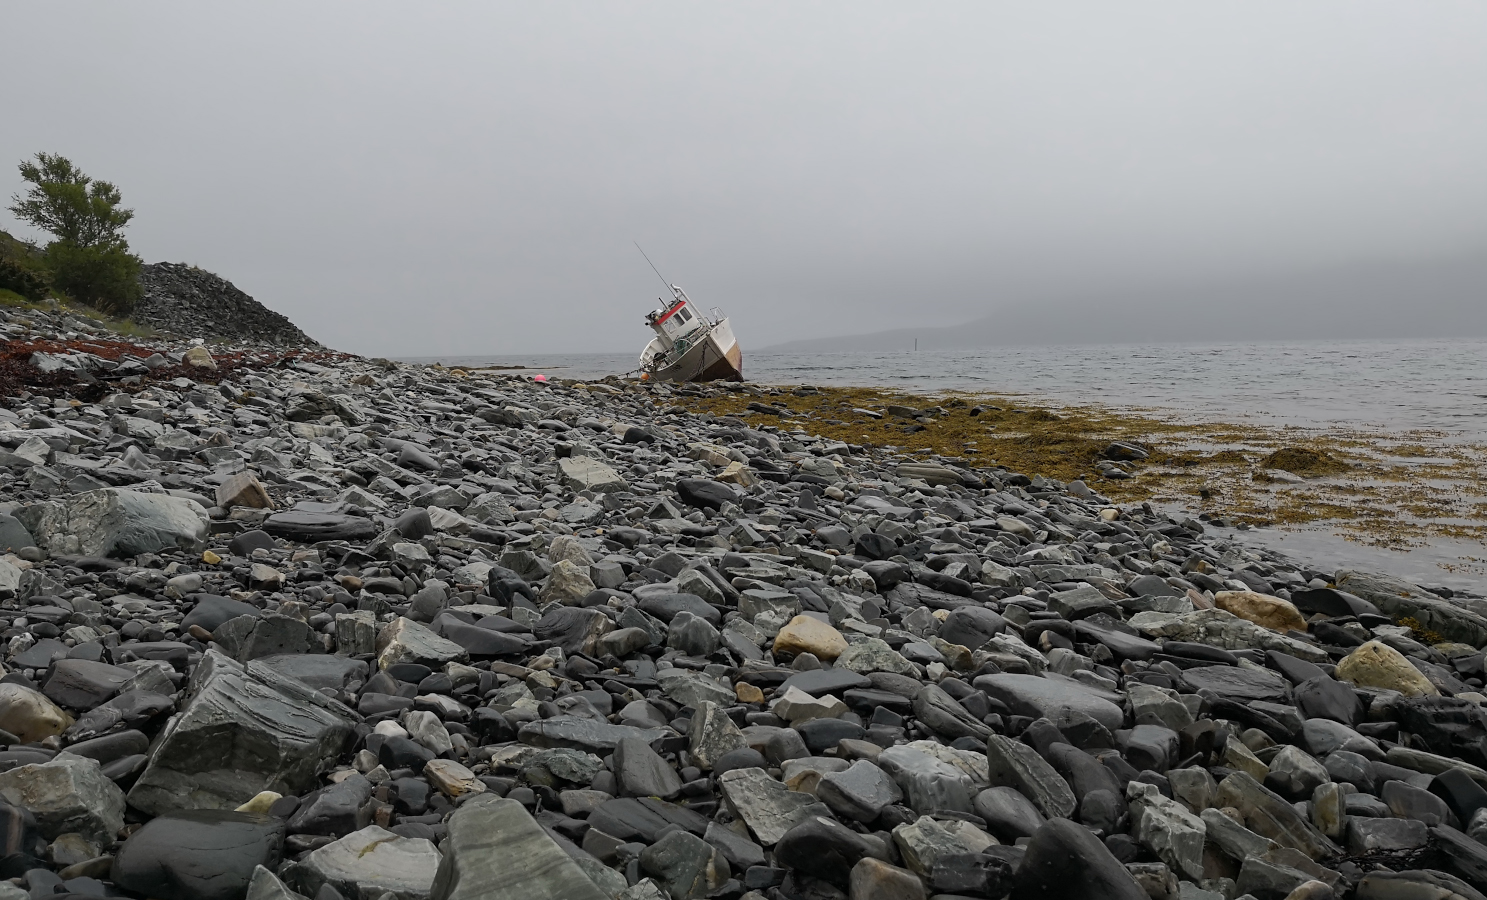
x=1393 y=386
x=1329 y=490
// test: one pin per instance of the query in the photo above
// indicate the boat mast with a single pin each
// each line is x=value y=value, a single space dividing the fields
x=669 y=286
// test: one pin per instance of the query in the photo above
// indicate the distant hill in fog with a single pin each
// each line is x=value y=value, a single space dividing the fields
x=1437 y=299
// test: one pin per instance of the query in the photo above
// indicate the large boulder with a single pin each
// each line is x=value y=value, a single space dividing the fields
x=1016 y=765
x=198 y=854
x=82 y=684
x=640 y=771
x=366 y=864
x=1269 y=815
x=686 y=866
x=928 y=784
x=211 y=611
x=1219 y=628
x=768 y=807
x=405 y=641
x=1262 y=609
x=568 y=583
x=116 y=522
x=573 y=628
x=67 y=794
x=705 y=493
x=806 y=634
x=1400 y=599
x=30 y=715
x=1377 y=665
x=1065 y=861
x=245 y=729
x=1048 y=698
x=312 y=524
x=581 y=473
x=496 y=851
x=1168 y=829
x=318 y=670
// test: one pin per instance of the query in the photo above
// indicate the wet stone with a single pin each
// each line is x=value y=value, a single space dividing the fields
x=927 y=783
x=66 y=794
x=266 y=730
x=684 y=865
x=496 y=850
x=366 y=864
x=766 y=805
x=1015 y=765
x=1008 y=814
x=860 y=792
x=198 y=855
x=641 y=772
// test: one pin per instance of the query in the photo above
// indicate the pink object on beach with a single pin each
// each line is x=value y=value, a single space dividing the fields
x=539 y=377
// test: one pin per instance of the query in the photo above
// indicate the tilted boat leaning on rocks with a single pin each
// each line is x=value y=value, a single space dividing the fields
x=688 y=345
x=343 y=628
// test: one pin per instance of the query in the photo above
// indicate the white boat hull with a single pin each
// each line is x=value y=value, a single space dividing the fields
x=713 y=357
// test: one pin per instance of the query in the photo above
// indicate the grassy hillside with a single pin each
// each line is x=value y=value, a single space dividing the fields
x=12 y=246
x=24 y=282
x=21 y=269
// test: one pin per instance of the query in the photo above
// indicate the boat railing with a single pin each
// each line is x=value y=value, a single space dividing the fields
x=682 y=345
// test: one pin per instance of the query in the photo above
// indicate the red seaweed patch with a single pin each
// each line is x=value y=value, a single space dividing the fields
x=19 y=375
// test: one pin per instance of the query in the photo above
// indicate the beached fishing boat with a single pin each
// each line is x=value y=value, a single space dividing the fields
x=690 y=346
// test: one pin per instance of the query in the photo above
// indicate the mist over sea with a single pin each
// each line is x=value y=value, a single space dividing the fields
x=1393 y=386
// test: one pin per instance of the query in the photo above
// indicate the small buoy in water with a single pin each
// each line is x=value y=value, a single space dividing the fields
x=539 y=377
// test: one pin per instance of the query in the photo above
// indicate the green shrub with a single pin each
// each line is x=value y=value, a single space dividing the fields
x=104 y=277
x=23 y=280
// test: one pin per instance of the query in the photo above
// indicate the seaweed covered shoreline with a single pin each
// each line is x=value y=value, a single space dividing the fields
x=1385 y=490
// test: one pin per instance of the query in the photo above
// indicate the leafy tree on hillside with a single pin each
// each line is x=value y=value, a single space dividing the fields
x=90 y=259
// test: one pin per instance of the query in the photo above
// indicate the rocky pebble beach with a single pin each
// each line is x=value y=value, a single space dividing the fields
x=352 y=630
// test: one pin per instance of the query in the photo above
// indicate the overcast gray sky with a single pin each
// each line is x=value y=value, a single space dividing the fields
x=408 y=179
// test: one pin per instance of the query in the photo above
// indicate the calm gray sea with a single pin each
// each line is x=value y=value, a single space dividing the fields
x=1391 y=385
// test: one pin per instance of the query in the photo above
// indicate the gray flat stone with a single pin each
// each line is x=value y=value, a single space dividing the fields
x=198 y=855
x=860 y=792
x=1047 y=698
x=1016 y=765
x=366 y=864
x=404 y=640
x=583 y=734
x=642 y=772
x=693 y=688
x=927 y=783
x=582 y=473
x=1398 y=598
x=496 y=851
x=1241 y=684
x=766 y=806
x=1269 y=815
x=67 y=794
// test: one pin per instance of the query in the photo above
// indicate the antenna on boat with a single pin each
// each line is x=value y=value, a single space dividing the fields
x=653 y=267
